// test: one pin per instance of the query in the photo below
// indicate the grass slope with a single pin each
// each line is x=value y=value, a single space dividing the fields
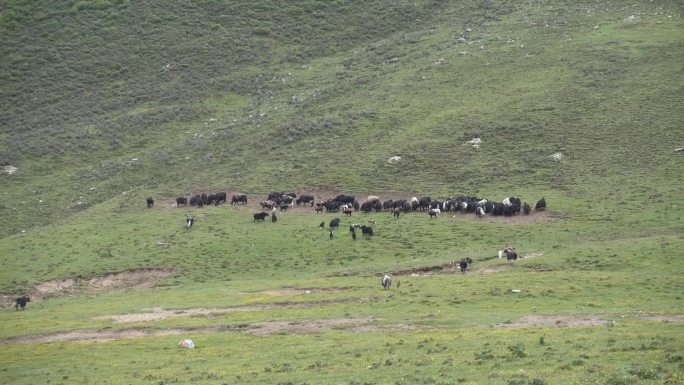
x=108 y=102
x=172 y=98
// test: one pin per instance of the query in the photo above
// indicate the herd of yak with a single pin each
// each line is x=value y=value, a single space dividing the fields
x=348 y=203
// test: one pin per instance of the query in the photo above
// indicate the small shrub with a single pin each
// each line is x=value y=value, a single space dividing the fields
x=643 y=373
x=517 y=350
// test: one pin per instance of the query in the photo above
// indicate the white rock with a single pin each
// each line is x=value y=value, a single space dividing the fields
x=475 y=142
x=393 y=159
x=10 y=170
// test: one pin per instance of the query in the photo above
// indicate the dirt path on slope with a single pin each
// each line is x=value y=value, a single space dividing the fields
x=267 y=328
x=159 y=314
x=581 y=320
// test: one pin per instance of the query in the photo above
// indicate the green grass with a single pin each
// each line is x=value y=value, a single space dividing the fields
x=108 y=102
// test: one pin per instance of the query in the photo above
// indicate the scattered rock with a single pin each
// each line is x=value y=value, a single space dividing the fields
x=10 y=170
x=393 y=159
x=188 y=344
x=475 y=142
x=557 y=156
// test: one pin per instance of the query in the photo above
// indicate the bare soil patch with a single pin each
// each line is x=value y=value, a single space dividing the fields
x=555 y=321
x=106 y=335
x=664 y=317
x=326 y=192
x=292 y=291
x=383 y=328
x=268 y=328
x=585 y=320
x=122 y=280
x=452 y=267
x=492 y=269
x=304 y=327
x=160 y=314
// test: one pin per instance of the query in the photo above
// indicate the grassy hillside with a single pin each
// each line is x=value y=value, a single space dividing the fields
x=108 y=102
x=167 y=98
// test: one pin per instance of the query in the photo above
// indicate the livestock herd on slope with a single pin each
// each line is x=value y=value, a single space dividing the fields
x=347 y=204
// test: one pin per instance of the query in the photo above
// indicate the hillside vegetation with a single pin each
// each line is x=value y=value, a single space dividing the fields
x=165 y=98
x=107 y=102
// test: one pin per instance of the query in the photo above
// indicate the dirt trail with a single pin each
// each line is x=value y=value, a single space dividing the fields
x=266 y=328
x=144 y=278
x=359 y=324
x=309 y=326
x=292 y=291
x=103 y=336
x=159 y=314
x=581 y=320
x=555 y=321
x=453 y=268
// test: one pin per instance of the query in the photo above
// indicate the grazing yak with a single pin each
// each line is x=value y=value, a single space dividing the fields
x=21 y=302
x=322 y=225
x=239 y=198
x=463 y=264
x=332 y=206
x=305 y=199
x=181 y=201
x=367 y=230
x=345 y=199
x=498 y=209
x=196 y=200
x=260 y=216
x=526 y=209
x=366 y=207
x=220 y=197
x=274 y=219
x=150 y=202
x=353 y=235
x=274 y=196
x=396 y=212
x=334 y=223
x=386 y=281
x=189 y=221
x=433 y=213
x=331 y=234
x=424 y=203
x=510 y=254
x=286 y=200
x=540 y=205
